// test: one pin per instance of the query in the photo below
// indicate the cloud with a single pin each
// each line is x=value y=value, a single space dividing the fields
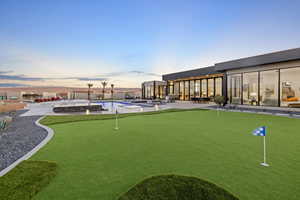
x=27 y=66
x=19 y=78
x=6 y=72
x=89 y=79
x=27 y=78
x=144 y=73
x=13 y=85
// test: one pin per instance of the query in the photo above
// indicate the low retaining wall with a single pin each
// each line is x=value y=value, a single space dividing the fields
x=8 y=107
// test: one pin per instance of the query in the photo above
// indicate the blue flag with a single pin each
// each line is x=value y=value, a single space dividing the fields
x=261 y=131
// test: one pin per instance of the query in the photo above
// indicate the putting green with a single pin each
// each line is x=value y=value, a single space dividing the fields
x=97 y=162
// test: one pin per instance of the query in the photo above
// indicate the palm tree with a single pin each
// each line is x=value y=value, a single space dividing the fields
x=89 y=91
x=112 y=91
x=104 y=83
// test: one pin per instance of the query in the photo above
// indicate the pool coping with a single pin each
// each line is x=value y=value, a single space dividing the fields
x=32 y=151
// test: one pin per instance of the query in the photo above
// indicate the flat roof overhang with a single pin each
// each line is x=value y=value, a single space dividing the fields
x=206 y=72
x=270 y=58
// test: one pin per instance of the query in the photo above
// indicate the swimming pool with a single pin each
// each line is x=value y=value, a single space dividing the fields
x=112 y=106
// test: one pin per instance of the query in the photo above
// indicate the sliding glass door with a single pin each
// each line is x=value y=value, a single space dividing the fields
x=235 y=88
x=290 y=87
x=250 y=88
x=269 y=88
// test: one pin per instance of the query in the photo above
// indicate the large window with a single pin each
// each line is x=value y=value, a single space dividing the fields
x=250 y=88
x=156 y=90
x=176 y=90
x=204 y=88
x=186 y=90
x=170 y=87
x=211 y=89
x=192 y=88
x=290 y=86
x=218 y=86
x=148 y=90
x=181 y=90
x=197 y=88
x=269 y=88
x=235 y=88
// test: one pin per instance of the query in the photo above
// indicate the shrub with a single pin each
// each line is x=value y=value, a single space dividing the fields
x=170 y=187
x=220 y=100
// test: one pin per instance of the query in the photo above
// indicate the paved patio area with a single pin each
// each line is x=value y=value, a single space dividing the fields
x=46 y=108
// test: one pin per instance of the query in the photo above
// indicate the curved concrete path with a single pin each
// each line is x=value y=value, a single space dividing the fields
x=21 y=140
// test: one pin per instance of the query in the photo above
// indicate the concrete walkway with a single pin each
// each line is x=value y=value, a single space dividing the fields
x=46 y=108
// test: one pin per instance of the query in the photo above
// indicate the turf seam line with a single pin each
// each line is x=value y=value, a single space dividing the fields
x=32 y=151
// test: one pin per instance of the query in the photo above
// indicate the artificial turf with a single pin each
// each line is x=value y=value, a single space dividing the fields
x=172 y=187
x=98 y=162
x=26 y=180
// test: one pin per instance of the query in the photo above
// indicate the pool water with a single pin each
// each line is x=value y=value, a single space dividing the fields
x=112 y=106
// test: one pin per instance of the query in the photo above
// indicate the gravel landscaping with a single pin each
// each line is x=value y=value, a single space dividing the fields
x=20 y=137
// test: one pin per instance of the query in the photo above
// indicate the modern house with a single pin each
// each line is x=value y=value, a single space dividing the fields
x=271 y=79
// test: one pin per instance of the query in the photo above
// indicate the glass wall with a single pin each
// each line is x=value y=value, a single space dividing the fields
x=149 y=91
x=192 y=88
x=218 y=87
x=186 y=90
x=211 y=89
x=290 y=87
x=235 y=88
x=170 y=87
x=176 y=90
x=250 y=88
x=269 y=88
x=181 y=90
x=197 y=88
x=204 y=88
x=154 y=89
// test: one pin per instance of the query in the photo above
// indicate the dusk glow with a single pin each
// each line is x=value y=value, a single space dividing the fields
x=70 y=43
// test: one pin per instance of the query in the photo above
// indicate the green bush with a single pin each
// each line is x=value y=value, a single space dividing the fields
x=174 y=187
x=220 y=100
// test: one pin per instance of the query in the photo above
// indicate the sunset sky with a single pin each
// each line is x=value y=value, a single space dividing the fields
x=126 y=42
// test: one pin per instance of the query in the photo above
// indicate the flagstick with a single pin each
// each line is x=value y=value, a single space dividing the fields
x=265 y=160
x=116 y=127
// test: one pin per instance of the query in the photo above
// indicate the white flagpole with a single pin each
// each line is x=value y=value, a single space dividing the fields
x=265 y=160
x=116 y=127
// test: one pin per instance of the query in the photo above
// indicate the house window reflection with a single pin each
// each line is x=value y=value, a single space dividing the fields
x=290 y=87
